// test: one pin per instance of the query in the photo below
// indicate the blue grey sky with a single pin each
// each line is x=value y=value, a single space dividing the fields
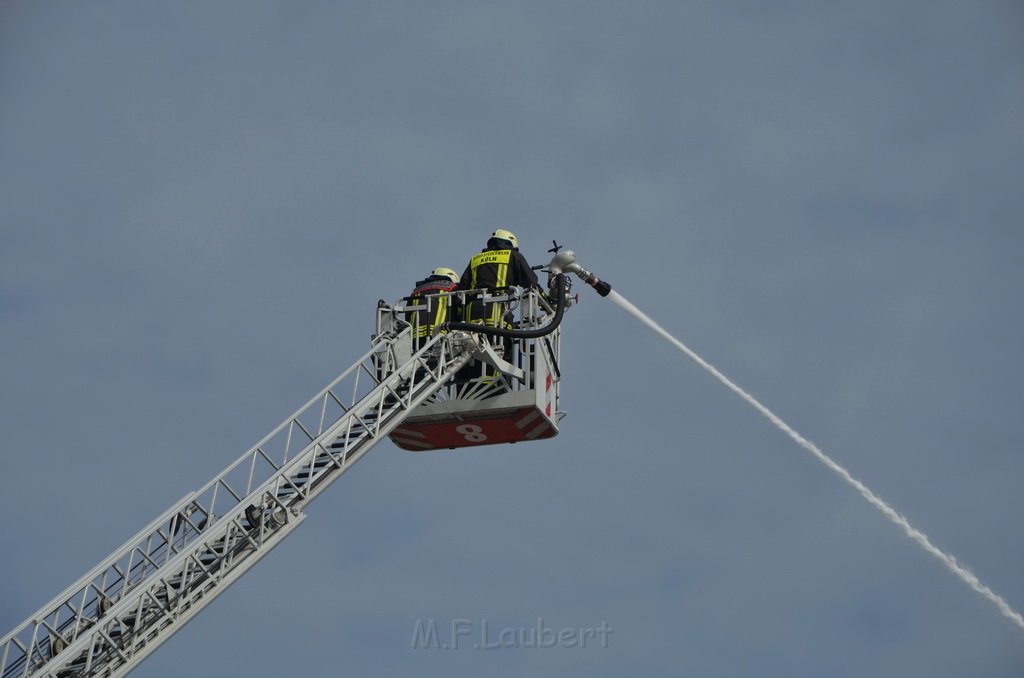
x=201 y=203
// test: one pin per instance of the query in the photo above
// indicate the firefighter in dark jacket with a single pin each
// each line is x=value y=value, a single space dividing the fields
x=498 y=266
x=438 y=307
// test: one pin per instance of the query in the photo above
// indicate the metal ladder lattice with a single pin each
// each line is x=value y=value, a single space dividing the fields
x=109 y=620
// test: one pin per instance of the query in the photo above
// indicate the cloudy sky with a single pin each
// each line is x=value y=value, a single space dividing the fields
x=201 y=203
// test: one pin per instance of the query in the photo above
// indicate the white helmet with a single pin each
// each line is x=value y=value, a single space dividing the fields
x=502 y=234
x=447 y=272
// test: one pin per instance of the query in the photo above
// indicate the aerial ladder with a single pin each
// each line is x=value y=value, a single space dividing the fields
x=462 y=385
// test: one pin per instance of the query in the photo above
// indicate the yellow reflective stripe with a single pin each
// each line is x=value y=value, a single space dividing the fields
x=442 y=312
x=502 y=276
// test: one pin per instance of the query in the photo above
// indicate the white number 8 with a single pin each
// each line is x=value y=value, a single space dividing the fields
x=472 y=433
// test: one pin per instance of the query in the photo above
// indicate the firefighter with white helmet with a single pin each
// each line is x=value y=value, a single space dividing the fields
x=437 y=306
x=444 y=271
x=497 y=266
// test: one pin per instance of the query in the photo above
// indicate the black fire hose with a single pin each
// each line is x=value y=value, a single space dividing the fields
x=556 y=319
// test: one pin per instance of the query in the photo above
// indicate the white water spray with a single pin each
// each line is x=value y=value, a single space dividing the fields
x=920 y=537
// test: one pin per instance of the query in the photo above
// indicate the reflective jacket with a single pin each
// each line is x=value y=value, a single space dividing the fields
x=424 y=321
x=494 y=268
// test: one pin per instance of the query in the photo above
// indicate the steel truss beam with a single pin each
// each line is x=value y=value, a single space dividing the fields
x=109 y=620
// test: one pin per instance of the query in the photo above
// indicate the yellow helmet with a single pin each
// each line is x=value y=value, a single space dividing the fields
x=447 y=272
x=502 y=234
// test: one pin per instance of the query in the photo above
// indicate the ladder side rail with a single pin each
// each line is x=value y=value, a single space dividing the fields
x=157 y=596
x=25 y=641
x=141 y=651
x=125 y=613
x=322 y=396
x=375 y=402
x=376 y=415
x=69 y=592
x=196 y=581
x=452 y=356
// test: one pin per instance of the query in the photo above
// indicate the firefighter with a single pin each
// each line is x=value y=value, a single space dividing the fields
x=438 y=308
x=497 y=266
